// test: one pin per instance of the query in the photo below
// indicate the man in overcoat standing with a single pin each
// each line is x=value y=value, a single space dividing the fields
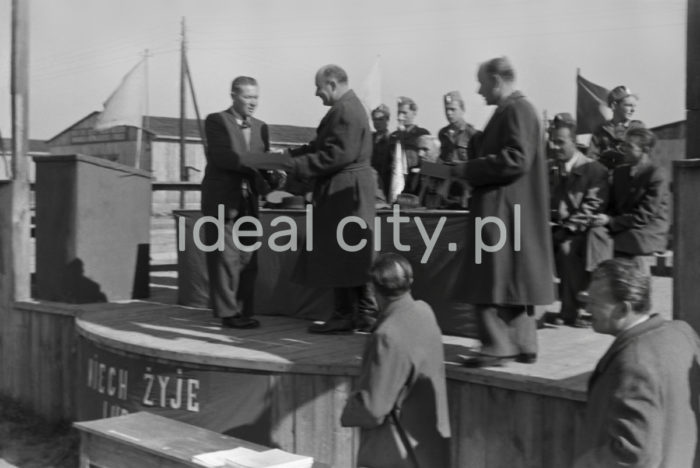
x=339 y=162
x=510 y=267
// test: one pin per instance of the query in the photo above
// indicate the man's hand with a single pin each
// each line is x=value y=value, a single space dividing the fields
x=600 y=219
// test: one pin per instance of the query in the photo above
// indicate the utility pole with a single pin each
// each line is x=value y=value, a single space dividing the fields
x=183 y=111
x=14 y=195
x=686 y=179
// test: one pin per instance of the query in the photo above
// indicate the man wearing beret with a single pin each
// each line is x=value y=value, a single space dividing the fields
x=454 y=138
x=606 y=141
x=381 y=149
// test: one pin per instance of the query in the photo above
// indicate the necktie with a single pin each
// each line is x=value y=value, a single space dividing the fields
x=245 y=123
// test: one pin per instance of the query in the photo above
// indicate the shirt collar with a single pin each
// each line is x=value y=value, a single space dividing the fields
x=639 y=321
x=571 y=163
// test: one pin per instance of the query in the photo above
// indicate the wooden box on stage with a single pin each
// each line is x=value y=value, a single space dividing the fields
x=92 y=229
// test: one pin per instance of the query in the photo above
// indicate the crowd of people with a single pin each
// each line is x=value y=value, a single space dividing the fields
x=595 y=215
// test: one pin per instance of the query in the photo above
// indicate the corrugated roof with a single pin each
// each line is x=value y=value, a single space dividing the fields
x=169 y=127
x=670 y=131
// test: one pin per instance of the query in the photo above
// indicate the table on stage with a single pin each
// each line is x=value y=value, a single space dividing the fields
x=438 y=274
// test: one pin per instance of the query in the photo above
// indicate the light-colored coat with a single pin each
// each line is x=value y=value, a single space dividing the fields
x=643 y=399
x=402 y=366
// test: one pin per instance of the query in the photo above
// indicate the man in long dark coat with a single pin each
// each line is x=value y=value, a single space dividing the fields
x=338 y=160
x=509 y=204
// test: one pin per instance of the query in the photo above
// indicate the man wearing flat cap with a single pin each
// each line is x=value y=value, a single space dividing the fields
x=408 y=132
x=606 y=141
x=381 y=149
x=454 y=138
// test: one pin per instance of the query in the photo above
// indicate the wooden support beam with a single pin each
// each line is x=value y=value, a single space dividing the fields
x=14 y=195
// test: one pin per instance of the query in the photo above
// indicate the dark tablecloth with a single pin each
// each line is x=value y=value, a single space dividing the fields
x=437 y=281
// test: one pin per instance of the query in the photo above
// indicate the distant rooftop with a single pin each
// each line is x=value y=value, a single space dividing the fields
x=35 y=146
x=170 y=127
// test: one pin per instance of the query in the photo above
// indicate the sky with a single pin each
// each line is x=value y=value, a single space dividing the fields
x=81 y=49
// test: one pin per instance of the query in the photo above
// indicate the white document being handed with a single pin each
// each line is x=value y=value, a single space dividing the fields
x=274 y=458
x=218 y=459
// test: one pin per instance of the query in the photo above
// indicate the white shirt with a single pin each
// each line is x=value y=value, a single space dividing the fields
x=569 y=165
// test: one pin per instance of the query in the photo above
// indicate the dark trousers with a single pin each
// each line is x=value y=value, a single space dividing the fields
x=507 y=330
x=232 y=275
x=355 y=303
x=570 y=260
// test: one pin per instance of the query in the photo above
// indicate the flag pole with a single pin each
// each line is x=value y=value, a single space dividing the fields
x=194 y=102
x=183 y=112
x=139 y=134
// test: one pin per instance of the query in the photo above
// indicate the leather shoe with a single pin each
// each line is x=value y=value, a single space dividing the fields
x=333 y=325
x=366 y=324
x=485 y=360
x=239 y=322
x=526 y=358
x=579 y=323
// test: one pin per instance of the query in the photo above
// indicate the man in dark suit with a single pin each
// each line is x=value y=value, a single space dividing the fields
x=232 y=190
x=508 y=179
x=578 y=191
x=400 y=404
x=637 y=216
x=642 y=408
x=381 y=148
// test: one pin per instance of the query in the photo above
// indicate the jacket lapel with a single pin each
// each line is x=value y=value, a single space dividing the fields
x=621 y=341
x=237 y=137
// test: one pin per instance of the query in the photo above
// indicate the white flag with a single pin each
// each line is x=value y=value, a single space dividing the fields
x=399 y=169
x=370 y=92
x=127 y=104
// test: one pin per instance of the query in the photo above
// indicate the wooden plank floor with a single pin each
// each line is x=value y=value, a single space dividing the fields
x=282 y=344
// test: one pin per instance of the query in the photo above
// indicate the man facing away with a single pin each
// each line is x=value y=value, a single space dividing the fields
x=643 y=396
x=400 y=404
x=579 y=191
x=454 y=138
x=233 y=135
x=508 y=180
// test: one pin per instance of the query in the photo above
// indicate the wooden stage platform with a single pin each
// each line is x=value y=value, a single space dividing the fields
x=516 y=415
